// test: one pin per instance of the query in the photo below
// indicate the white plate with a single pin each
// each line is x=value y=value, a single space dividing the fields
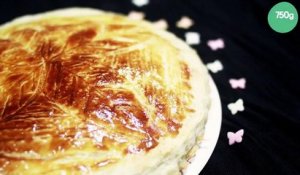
x=211 y=135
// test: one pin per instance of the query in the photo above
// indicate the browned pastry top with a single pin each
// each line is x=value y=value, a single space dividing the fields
x=77 y=86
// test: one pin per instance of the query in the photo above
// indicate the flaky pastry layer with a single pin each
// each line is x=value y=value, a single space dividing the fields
x=92 y=92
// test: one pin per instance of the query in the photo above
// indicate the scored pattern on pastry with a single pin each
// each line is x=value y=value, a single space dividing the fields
x=86 y=89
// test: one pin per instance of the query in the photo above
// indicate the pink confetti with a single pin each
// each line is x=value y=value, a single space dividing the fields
x=216 y=44
x=136 y=15
x=235 y=137
x=161 y=24
x=185 y=22
x=238 y=83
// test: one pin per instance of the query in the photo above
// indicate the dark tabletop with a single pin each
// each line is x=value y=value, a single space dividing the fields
x=269 y=61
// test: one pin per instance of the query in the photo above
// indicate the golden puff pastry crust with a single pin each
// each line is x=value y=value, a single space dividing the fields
x=90 y=92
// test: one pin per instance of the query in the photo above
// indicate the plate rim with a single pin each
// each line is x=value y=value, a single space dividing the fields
x=211 y=133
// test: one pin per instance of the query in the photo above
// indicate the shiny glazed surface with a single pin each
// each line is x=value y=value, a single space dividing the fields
x=90 y=89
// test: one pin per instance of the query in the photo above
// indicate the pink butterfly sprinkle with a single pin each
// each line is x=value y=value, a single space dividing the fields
x=161 y=24
x=235 y=137
x=136 y=15
x=185 y=22
x=216 y=44
x=238 y=83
